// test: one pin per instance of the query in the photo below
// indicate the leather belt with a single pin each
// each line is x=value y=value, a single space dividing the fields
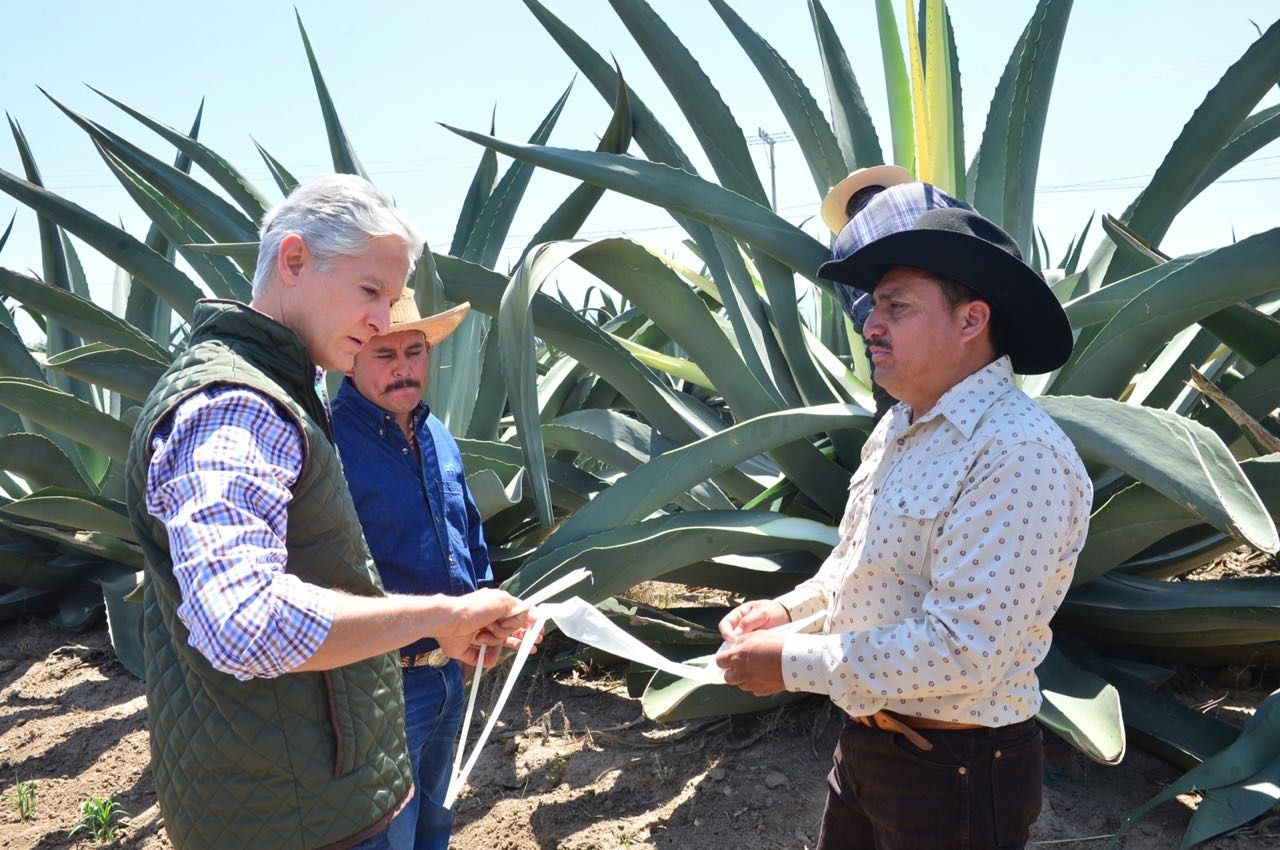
x=906 y=725
x=434 y=658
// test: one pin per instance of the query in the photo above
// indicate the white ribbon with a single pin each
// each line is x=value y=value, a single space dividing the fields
x=583 y=622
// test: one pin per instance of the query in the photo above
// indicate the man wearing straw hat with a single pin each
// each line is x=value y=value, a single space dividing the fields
x=870 y=203
x=406 y=477
x=957 y=545
x=274 y=691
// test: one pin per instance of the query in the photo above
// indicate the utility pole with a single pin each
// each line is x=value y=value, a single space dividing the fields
x=767 y=138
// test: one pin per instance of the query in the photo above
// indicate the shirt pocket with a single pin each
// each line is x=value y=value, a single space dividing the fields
x=906 y=518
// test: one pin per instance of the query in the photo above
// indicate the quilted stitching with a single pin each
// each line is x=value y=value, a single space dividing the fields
x=251 y=764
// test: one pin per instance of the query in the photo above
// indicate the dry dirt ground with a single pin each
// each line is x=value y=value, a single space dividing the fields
x=573 y=766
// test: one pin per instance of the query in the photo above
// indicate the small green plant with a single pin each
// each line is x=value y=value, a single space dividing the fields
x=662 y=772
x=99 y=816
x=24 y=794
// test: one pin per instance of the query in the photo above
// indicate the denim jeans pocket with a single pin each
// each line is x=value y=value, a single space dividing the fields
x=1017 y=785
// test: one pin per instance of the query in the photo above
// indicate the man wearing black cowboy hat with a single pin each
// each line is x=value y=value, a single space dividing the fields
x=958 y=542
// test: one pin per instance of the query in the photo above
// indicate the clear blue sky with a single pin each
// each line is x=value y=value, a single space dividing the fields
x=1130 y=75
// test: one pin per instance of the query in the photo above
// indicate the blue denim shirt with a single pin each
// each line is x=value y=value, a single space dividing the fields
x=418 y=516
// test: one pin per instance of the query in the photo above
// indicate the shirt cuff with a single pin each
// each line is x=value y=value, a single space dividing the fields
x=814 y=664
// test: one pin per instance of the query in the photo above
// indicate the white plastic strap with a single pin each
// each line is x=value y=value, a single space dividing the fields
x=585 y=623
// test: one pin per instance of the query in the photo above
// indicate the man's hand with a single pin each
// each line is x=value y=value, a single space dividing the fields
x=753 y=662
x=753 y=616
x=484 y=618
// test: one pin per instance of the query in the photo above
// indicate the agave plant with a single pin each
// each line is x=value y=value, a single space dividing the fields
x=693 y=427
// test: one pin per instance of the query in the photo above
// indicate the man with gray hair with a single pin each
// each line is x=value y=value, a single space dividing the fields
x=273 y=677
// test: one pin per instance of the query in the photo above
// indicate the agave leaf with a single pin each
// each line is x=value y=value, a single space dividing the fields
x=624 y=556
x=140 y=306
x=223 y=172
x=623 y=443
x=515 y=335
x=955 y=138
x=568 y=218
x=477 y=193
x=808 y=125
x=1140 y=253
x=1072 y=258
x=1259 y=436
x=16 y=361
x=1185 y=295
x=340 y=148
x=66 y=415
x=1194 y=152
x=4 y=237
x=1128 y=523
x=40 y=462
x=676 y=367
x=648 y=282
x=1247 y=331
x=717 y=130
x=1081 y=708
x=669 y=699
x=561 y=327
x=87 y=542
x=1251 y=762
x=117 y=369
x=1132 y=609
x=1255 y=132
x=987 y=173
x=499 y=210
x=937 y=54
x=897 y=85
x=1028 y=109
x=73 y=509
x=36 y=567
x=1257 y=395
x=80 y=315
x=223 y=278
x=153 y=270
x=1101 y=305
x=653 y=138
x=780 y=285
x=1175 y=456
x=241 y=252
x=677 y=190
x=491 y=393
x=490 y=495
x=219 y=218
x=919 y=104
x=658 y=481
x=455 y=383
x=1179 y=734
x=284 y=180
x=53 y=258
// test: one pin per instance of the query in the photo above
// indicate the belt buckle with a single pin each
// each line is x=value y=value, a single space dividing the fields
x=434 y=659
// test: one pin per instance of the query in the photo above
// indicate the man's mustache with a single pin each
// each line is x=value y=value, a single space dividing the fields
x=402 y=384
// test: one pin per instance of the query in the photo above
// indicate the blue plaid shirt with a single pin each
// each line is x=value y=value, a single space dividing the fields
x=894 y=209
x=421 y=524
x=219 y=480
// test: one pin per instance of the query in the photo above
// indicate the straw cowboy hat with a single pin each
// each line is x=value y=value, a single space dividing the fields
x=405 y=317
x=962 y=245
x=833 y=205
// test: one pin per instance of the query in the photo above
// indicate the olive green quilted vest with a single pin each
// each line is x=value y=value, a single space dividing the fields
x=303 y=760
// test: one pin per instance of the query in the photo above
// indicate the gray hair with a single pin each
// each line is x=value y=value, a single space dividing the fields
x=336 y=215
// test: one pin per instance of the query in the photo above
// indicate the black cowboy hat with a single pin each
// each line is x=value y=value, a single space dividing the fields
x=964 y=246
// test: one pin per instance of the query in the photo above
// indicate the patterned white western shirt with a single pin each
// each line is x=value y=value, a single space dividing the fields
x=957 y=545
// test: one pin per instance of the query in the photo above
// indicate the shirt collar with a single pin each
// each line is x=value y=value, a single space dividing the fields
x=348 y=395
x=967 y=402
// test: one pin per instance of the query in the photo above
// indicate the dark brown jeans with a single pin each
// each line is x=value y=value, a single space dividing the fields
x=977 y=789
